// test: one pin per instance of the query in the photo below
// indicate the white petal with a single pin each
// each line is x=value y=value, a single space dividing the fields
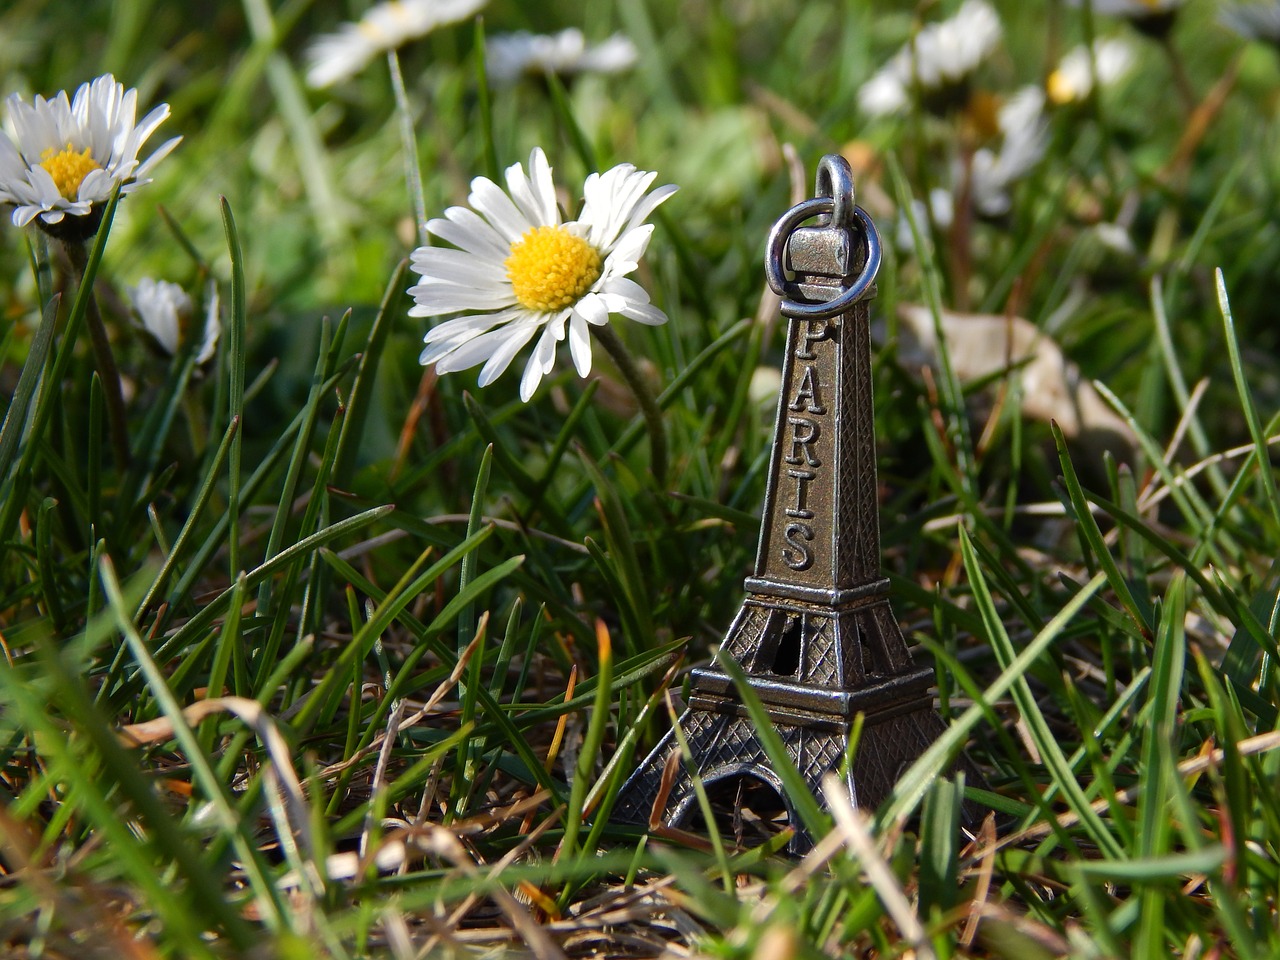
x=96 y=186
x=142 y=173
x=468 y=230
x=630 y=247
x=12 y=165
x=212 y=327
x=507 y=343
x=544 y=188
x=450 y=298
x=580 y=343
x=531 y=195
x=624 y=287
x=543 y=359
x=459 y=266
x=464 y=328
x=492 y=201
x=592 y=309
x=609 y=199
x=645 y=313
x=151 y=121
x=647 y=205
x=336 y=56
x=469 y=353
x=24 y=215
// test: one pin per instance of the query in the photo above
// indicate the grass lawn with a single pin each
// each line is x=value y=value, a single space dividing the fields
x=313 y=651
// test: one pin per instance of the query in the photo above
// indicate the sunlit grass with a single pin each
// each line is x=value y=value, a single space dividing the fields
x=350 y=659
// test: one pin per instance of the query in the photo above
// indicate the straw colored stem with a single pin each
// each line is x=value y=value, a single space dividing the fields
x=631 y=373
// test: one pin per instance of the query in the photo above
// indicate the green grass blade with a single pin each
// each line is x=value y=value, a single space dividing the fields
x=267 y=896
x=51 y=383
x=589 y=752
x=1088 y=528
x=1260 y=448
x=913 y=785
x=804 y=803
x=1046 y=743
x=363 y=385
x=235 y=395
x=190 y=525
x=15 y=418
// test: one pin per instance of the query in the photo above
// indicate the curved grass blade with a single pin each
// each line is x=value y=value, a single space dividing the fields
x=51 y=384
x=912 y=785
x=362 y=386
x=1265 y=472
x=15 y=418
x=1088 y=527
x=235 y=395
x=1046 y=743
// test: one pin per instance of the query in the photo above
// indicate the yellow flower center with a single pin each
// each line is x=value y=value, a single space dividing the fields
x=68 y=168
x=984 y=114
x=1060 y=88
x=550 y=269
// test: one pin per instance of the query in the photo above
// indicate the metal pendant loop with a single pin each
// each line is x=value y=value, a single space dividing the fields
x=835 y=180
x=789 y=290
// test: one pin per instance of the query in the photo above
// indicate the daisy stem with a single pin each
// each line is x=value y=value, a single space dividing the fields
x=631 y=373
x=105 y=360
x=1181 y=79
x=409 y=140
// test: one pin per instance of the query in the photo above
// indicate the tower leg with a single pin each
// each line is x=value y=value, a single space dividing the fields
x=899 y=725
x=726 y=747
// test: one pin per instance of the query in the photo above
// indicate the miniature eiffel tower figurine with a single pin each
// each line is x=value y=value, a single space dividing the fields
x=816 y=637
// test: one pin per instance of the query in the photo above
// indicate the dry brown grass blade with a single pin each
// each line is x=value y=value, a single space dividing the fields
x=437 y=695
x=283 y=783
x=409 y=429
x=670 y=769
x=1251 y=746
x=1028 y=927
x=554 y=750
x=659 y=827
x=161 y=728
x=448 y=927
x=986 y=867
x=1198 y=125
x=851 y=823
x=59 y=893
x=443 y=843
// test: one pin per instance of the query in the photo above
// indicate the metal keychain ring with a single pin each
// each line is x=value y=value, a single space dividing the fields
x=835 y=180
x=785 y=288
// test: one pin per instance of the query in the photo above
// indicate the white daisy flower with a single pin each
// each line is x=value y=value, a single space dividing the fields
x=1024 y=139
x=63 y=157
x=1073 y=80
x=941 y=55
x=520 y=271
x=886 y=92
x=509 y=55
x=386 y=26
x=166 y=312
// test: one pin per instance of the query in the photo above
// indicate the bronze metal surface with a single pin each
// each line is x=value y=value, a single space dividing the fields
x=816 y=636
